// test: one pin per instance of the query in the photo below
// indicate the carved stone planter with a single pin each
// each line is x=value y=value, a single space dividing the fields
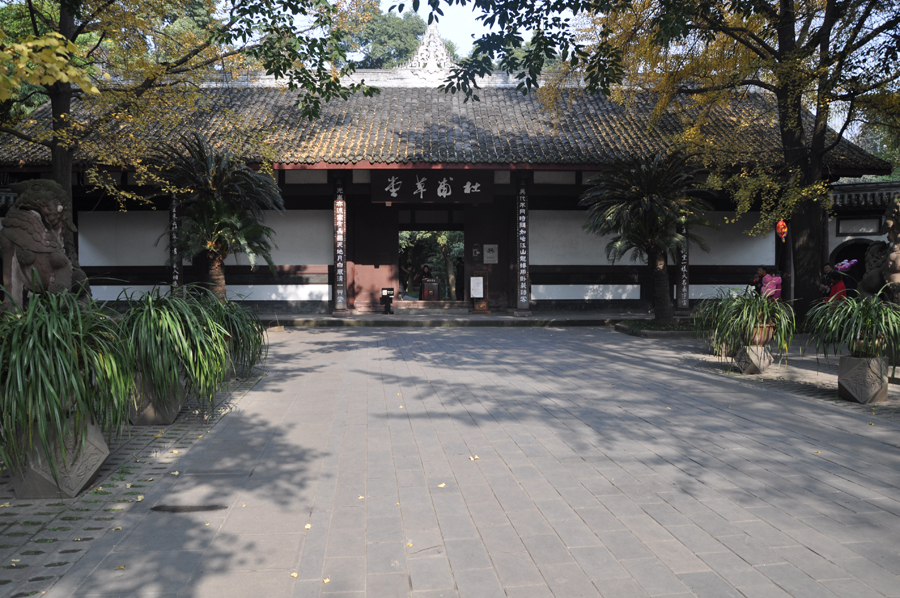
x=36 y=481
x=753 y=359
x=863 y=380
x=150 y=411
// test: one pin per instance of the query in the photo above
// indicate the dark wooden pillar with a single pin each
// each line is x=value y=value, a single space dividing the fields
x=340 y=252
x=523 y=284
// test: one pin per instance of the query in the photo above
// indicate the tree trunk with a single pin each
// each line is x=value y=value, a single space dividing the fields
x=662 y=290
x=216 y=276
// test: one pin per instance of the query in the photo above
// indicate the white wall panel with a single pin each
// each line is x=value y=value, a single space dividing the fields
x=557 y=239
x=580 y=292
x=112 y=292
x=279 y=292
x=122 y=238
x=730 y=245
x=303 y=237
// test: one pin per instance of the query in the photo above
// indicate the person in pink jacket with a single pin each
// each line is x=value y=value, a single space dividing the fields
x=771 y=286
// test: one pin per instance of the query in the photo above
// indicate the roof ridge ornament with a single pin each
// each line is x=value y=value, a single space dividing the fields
x=431 y=56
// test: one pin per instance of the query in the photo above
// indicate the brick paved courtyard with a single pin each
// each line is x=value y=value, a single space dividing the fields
x=605 y=467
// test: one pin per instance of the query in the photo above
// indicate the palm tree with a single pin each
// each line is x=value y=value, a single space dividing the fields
x=643 y=203
x=220 y=202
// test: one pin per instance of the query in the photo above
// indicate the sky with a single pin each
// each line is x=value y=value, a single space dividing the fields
x=458 y=23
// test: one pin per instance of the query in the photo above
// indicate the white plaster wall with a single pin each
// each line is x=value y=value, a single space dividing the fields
x=279 y=292
x=122 y=238
x=557 y=239
x=303 y=237
x=834 y=240
x=730 y=245
x=580 y=292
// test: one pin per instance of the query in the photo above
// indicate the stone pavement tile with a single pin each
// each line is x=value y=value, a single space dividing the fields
x=164 y=531
x=646 y=528
x=382 y=506
x=530 y=523
x=598 y=563
x=144 y=574
x=677 y=557
x=765 y=590
x=811 y=563
x=850 y=588
x=567 y=579
x=600 y=519
x=750 y=550
x=620 y=588
x=878 y=554
x=386 y=558
x=621 y=505
x=538 y=591
x=574 y=532
x=734 y=569
x=488 y=512
x=418 y=516
x=547 y=549
x=384 y=529
x=516 y=568
x=624 y=545
x=347 y=574
x=263 y=520
x=794 y=582
x=873 y=575
x=457 y=527
x=478 y=583
x=386 y=486
x=435 y=594
x=707 y=584
x=501 y=539
x=655 y=578
x=388 y=585
x=346 y=541
x=765 y=534
x=666 y=515
x=431 y=573
x=777 y=518
x=257 y=551
x=235 y=584
x=466 y=554
x=821 y=544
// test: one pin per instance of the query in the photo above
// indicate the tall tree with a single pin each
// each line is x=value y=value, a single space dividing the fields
x=820 y=61
x=147 y=58
x=646 y=205
x=387 y=40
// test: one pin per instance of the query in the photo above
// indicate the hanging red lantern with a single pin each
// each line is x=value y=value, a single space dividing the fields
x=781 y=229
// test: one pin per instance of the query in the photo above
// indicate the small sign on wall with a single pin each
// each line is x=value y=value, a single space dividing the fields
x=491 y=254
x=476 y=287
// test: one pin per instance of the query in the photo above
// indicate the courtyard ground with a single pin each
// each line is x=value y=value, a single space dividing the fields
x=519 y=462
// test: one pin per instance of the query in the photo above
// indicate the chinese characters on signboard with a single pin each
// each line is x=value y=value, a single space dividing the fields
x=522 y=250
x=683 y=290
x=432 y=186
x=340 y=253
x=491 y=254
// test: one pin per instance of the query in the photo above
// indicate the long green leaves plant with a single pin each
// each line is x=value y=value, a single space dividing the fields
x=747 y=318
x=62 y=366
x=177 y=343
x=866 y=326
x=245 y=333
x=708 y=321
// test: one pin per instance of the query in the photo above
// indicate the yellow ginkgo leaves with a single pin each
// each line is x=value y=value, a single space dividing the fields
x=473 y=457
x=120 y=568
x=294 y=574
x=308 y=526
x=441 y=485
x=326 y=580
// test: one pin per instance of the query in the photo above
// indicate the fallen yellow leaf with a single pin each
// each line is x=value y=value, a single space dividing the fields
x=293 y=575
x=120 y=568
x=441 y=485
x=308 y=526
x=6 y=504
x=817 y=452
x=207 y=524
x=128 y=485
x=174 y=451
x=361 y=497
x=201 y=436
x=149 y=479
x=157 y=436
x=409 y=543
x=139 y=498
x=117 y=529
x=174 y=473
x=16 y=560
x=243 y=505
x=401 y=406
x=326 y=580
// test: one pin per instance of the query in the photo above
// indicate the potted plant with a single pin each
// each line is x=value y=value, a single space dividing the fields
x=244 y=333
x=752 y=321
x=868 y=327
x=709 y=324
x=179 y=349
x=65 y=382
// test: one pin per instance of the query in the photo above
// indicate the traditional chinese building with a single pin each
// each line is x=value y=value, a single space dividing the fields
x=503 y=170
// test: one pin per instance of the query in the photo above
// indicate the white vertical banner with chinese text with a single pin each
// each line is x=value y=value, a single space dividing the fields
x=683 y=287
x=340 y=250
x=521 y=253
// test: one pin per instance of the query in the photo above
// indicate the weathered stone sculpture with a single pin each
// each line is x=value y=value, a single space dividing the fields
x=883 y=258
x=32 y=243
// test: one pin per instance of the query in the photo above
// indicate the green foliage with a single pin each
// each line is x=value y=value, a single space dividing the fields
x=733 y=319
x=867 y=326
x=387 y=40
x=176 y=342
x=220 y=202
x=438 y=249
x=642 y=202
x=59 y=359
x=244 y=333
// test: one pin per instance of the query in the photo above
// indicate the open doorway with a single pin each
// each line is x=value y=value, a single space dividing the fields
x=441 y=252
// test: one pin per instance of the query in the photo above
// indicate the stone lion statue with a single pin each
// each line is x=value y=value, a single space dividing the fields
x=32 y=243
x=883 y=258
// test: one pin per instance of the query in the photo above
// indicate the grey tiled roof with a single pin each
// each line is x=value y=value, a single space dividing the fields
x=402 y=125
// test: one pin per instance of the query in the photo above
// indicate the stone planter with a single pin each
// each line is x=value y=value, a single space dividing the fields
x=74 y=475
x=863 y=379
x=753 y=359
x=148 y=410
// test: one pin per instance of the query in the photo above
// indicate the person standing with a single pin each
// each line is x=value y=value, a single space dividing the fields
x=757 y=283
x=772 y=286
x=825 y=287
x=837 y=290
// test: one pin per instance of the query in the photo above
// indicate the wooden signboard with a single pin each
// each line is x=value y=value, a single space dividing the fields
x=432 y=186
